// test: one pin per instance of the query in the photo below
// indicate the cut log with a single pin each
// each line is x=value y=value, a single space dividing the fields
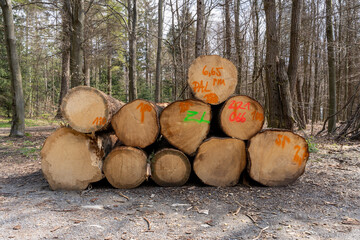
x=241 y=117
x=126 y=167
x=136 y=124
x=170 y=167
x=88 y=109
x=212 y=79
x=185 y=124
x=71 y=160
x=220 y=161
x=277 y=157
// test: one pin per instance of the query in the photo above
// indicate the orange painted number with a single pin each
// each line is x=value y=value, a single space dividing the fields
x=99 y=121
x=299 y=159
x=257 y=116
x=211 y=98
x=281 y=140
x=144 y=108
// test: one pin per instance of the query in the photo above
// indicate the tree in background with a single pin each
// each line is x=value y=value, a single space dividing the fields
x=18 y=116
x=158 y=54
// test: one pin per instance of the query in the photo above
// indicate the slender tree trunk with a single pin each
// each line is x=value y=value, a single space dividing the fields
x=331 y=66
x=158 y=54
x=18 y=122
x=227 y=30
x=65 y=54
x=199 y=29
x=109 y=74
x=255 y=22
x=132 y=12
x=238 y=46
x=77 y=39
x=279 y=100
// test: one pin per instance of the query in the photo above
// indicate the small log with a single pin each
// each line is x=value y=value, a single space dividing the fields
x=136 y=124
x=71 y=160
x=88 y=109
x=185 y=124
x=241 y=117
x=220 y=161
x=277 y=157
x=170 y=168
x=212 y=79
x=126 y=167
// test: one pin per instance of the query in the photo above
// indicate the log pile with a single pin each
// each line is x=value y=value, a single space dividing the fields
x=219 y=135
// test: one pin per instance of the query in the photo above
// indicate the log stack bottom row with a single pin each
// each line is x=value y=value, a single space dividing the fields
x=130 y=143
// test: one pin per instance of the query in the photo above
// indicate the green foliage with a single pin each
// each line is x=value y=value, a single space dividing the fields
x=312 y=146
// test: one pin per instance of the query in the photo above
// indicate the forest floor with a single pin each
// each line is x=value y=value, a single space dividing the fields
x=324 y=203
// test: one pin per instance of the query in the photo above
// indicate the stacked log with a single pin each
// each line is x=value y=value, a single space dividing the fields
x=130 y=149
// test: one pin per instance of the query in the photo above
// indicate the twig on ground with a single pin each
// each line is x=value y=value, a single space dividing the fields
x=251 y=218
x=237 y=211
x=88 y=189
x=57 y=228
x=148 y=223
x=261 y=231
x=124 y=196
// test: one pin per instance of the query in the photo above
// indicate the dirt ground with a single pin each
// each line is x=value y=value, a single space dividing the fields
x=322 y=204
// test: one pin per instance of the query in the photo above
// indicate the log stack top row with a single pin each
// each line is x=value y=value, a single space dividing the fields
x=274 y=157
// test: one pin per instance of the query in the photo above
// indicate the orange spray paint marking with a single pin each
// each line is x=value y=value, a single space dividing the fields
x=99 y=121
x=211 y=98
x=218 y=82
x=280 y=142
x=184 y=106
x=199 y=87
x=299 y=159
x=144 y=108
x=257 y=116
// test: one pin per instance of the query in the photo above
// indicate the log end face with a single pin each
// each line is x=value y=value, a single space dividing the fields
x=220 y=161
x=136 y=124
x=70 y=161
x=170 y=168
x=125 y=167
x=86 y=109
x=212 y=79
x=277 y=158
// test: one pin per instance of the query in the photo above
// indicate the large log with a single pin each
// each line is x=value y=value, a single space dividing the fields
x=277 y=157
x=136 y=124
x=185 y=124
x=212 y=79
x=220 y=161
x=71 y=160
x=88 y=109
x=126 y=167
x=241 y=117
x=170 y=167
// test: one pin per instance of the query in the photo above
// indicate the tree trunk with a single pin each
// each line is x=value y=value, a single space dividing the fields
x=170 y=168
x=199 y=28
x=331 y=66
x=132 y=22
x=219 y=162
x=241 y=117
x=238 y=46
x=212 y=79
x=277 y=158
x=71 y=160
x=109 y=74
x=88 y=109
x=277 y=99
x=18 y=114
x=77 y=40
x=65 y=54
x=185 y=124
x=136 y=124
x=227 y=30
x=158 y=54
x=126 y=167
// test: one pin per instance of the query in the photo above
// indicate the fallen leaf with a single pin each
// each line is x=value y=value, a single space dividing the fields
x=203 y=212
x=93 y=199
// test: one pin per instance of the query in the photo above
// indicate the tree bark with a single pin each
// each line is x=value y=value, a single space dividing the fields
x=238 y=45
x=18 y=121
x=279 y=107
x=199 y=28
x=132 y=22
x=331 y=66
x=158 y=54
x=77 y=39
